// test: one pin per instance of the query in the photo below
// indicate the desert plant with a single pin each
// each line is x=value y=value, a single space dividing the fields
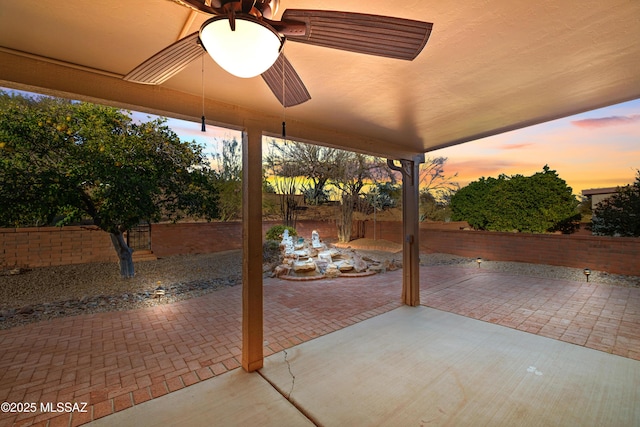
x=275 y=232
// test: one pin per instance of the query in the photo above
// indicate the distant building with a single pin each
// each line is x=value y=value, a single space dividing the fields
x=599 y=194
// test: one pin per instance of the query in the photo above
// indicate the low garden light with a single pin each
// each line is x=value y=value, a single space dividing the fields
x=159 y=292
x=479 y=261
x=587 y=272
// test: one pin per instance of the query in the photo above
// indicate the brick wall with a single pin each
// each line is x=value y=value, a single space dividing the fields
x=618 y=255
x=326 y=229
x=46 y=246
x=205 y=237
x=195 y=238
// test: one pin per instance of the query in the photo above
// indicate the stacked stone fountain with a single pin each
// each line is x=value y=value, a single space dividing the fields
x=304 y=260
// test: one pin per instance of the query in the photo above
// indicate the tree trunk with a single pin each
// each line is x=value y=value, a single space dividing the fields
x=345 y=222
x=124 y=255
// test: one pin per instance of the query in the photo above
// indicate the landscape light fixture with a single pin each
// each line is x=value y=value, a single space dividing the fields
x=478 y=260
x=587 y=272
x=243 y=45
x=159 y=292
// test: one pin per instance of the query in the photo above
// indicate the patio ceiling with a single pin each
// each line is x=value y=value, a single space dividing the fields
x=488 y=67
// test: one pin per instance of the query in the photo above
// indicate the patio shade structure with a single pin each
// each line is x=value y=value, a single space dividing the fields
x=487 y=68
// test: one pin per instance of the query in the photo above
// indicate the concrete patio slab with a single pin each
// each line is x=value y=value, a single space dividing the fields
x=421 y=366
x=235 y=398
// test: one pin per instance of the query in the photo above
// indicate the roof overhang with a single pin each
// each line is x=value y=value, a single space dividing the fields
x=487 y=68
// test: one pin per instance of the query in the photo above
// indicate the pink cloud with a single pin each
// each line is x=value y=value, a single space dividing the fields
x=515 y=146
x=607 y=121
x=472 y=170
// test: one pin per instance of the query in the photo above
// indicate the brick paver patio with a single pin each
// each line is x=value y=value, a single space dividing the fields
x=598 y=316
x=115 y=360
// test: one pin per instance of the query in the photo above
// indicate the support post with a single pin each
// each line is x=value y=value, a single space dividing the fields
x=252 y=304
x=410 y=170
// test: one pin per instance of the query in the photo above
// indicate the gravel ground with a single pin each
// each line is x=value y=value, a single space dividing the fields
x=49 y=292
x=45 y=293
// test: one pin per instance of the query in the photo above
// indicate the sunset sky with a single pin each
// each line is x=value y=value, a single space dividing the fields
x=600 y=148
x=597 y=149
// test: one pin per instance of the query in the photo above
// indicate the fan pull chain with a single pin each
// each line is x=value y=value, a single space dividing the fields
x=284 y=103
x=204 y=127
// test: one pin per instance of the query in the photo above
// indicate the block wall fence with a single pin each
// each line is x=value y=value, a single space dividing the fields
x=616 y=255
x=198 y=237
x=49 y=246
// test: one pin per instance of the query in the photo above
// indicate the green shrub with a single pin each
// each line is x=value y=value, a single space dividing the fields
x=275 y=232
x=536 y=204
x=619 y=215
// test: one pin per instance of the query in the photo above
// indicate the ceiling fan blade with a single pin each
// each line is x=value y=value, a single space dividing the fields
x=201 y=6
x=294 y=90
x=247 y=5
x=168 y=62
x=362 y=33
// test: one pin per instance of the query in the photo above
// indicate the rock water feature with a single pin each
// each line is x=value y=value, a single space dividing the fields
x=309 y=260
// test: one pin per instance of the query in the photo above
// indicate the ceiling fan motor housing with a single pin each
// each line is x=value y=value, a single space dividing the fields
x=246 y=51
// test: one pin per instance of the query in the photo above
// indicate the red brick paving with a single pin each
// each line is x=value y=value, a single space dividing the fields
x=116 y=360
x=598 y=316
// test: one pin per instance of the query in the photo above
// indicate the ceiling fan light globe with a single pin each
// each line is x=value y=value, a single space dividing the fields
x=248 y=51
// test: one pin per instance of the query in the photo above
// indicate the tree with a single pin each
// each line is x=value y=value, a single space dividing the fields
x=537 y=204
x=353 y=173
x=61 y=161
x=278 y=164
x=619 y=215
x=436 y=189
x=294 y=163
x=384 y=195
x=432 y=209
x=317 y=164
x=470 y=202
x=434 y=181
x=585 y=209
x=230 y=180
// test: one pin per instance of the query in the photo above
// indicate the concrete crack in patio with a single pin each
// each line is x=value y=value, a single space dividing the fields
x=287 y=396
x=293 y=377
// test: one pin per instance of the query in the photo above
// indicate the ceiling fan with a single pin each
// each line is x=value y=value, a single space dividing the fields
x=242 y=39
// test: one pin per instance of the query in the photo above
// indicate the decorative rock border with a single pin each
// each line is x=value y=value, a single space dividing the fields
x=361 y=274
x=323 y=276
x=302 y=278
x=101 y=303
